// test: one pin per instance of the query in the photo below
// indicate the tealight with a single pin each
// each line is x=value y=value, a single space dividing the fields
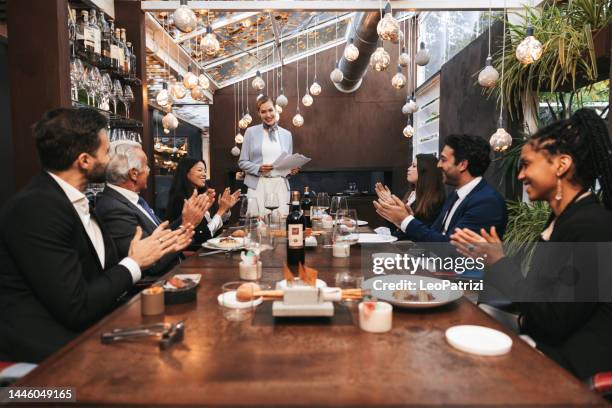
x=341 y=250
x=375 y=317
x=250 y=272
x=152 y=301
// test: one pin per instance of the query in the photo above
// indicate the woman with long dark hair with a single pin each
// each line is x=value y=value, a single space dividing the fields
x=562 y=300
x=190 y=177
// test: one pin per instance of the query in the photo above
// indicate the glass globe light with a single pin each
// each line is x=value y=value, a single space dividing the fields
x=258 y=82
x=404 y=58
x=239 y=138
x=235 y=151
x=351 y=53
x=315 y=88
x=164 y=98
x=500 y=140
x=248 y=118
x=307 y=100
x=184 y=18
x=488 y=77
x=412 y=106
x=210 y=45
x=197 y=93
x=530 y=49
x=246 y=23
x=405 y=109
x=177 y=90
x=408 y=131
x=166 y=131
x=203 y=82
x=298 y=120
x=242 y=124
x=422 y=56
x=170 y=121
x=380 y=60
x=336 y=75
x=190 y=80
x=399 y=80
x=276 y=116
x=278 y=108
x=388 y=28
x=398 y=38
x=167 y=108
x=282 y=100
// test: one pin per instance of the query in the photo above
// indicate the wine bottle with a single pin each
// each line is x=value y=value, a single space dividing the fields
x=114 y=48
x=106 y=42
x=82 y=32
x=306 y=207
x=95 y=37
x=126 y=53
x=120 y=51
x=295 y=233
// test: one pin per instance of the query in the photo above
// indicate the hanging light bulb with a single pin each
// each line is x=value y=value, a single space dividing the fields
x=530 y=49
x=278 y=109
x=184 y=18
x=242 y=124
x=336 y=75
x=404 y=58
x=405 y=109
x=248 y=118
x=307 y=99
x=408 y=131
x=203 y=82
x=246 y=23
x=170 y=121
x=209 y=43
x=298 y=120
x=388 y=28
x=163 y=97
x=177 y=90
x=166 y=130
x=399 y=80
x=488 y=77
x=315 y=88
x=410 y=106
x=422 y=56
x=500 y=140
x=239 y=138
x=351 y=53
x=197 y=93
x=235 y=151
x=281 y=100
x=258 y=82
x=380 y=60
x=190 y=80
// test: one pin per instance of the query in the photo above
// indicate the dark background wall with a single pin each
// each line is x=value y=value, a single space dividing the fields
x=362 y=130
x=7 y=186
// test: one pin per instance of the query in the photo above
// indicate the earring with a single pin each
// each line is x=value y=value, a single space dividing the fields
x=559 y=195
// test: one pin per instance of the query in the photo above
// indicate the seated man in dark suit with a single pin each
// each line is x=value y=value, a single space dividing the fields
x=121 y=209
x=59 y=270
x=474 y=204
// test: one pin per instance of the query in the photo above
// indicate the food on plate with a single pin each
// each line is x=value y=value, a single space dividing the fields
x=409 y=296
x=228 y=242
x=238 y=234
x=245 y=291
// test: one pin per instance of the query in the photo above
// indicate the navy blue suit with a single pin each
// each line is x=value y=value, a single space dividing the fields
x=483 y=207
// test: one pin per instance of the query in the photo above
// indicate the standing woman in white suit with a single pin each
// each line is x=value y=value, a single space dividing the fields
x=261 y=147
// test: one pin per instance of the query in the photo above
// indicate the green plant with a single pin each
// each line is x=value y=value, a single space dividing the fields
x=526 y=221
x=566 y=31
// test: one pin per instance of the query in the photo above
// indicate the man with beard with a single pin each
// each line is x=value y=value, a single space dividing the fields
x=59 y=271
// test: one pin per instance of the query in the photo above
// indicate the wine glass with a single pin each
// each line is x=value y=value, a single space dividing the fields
x=271 y=203
x=106 y=89
x=252 y=237
x=117 y=93
x=248 y=209
x=322 y=201
x=338 y=203
x=76 y=76
x=128 y=98
x=346 y=227
x=96 y=82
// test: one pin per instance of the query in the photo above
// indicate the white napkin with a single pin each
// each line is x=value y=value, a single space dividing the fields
x=382 y=231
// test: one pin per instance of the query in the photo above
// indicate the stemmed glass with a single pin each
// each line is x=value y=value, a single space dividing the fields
x=77 y=72
x=106 y=89
x=117 y=94
x=248 y=209
x=322 y=201
x=271 y=203
x=345 y=230
x=338 y=203
x=128 y=98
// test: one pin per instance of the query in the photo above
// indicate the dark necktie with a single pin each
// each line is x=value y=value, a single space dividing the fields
x=149 y=210
x=452 y=200
x=271 y=130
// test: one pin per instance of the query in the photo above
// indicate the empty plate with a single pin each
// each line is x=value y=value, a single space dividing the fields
x=376 y=239
x=479 y=340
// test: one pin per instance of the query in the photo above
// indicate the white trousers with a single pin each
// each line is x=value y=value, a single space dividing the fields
x=270 y=185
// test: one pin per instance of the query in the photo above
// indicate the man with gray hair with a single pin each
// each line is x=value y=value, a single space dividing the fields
x=121 y=209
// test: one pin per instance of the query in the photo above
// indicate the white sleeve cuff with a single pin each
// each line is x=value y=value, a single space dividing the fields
x=207 y=216
x=214 y=224
x=405 y=223
x=133 y=267
x=226 y=216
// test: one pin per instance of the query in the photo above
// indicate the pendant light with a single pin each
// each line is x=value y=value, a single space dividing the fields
x=210 y=43
x=388 y=28
x=336 y=75
x=307 y=99
x=501 y=140
x=351 y=52
x=489 y=76
x=315 y=88
x=298 y=119
x=399 y=80
x=169 y=121
x=190 y=80
x=408 y=131
x=203 y=82
x=530 y=49
x=164 y=98
x=258 y=82
x=184 y=18
x=235 y=151
x=380 y=59
x=423 y=56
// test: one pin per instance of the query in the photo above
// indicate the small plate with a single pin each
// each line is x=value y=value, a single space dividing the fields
x=213 y=243
x=441 y=297
x=376 y=239
x=233 y=303
x=283 y=284
x=195 y=277
x=361 y=223
x=479 y=340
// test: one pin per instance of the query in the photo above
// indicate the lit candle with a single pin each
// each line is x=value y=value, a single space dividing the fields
x=341 y=250
x=375 y=317
x=152 y=301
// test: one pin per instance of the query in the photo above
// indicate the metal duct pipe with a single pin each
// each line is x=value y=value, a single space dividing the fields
x=365 y=38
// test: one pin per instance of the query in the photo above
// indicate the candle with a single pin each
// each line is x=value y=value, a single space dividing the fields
x=375 y=317
x=250 y=271
x=152 y=301
x=341 y=250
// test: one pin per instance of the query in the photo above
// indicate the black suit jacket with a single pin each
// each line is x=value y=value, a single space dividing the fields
x=52 y=285
x=120 y=218
x=573 y=265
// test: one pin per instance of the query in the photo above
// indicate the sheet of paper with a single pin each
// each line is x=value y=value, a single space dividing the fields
x=285 y=162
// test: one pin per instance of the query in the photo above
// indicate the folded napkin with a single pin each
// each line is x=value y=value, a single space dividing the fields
x=382 y=231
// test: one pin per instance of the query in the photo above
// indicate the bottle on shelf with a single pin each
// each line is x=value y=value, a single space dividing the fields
x=132 y=61
x=105 y=56
x=95 y=38
x=126 y=53
x=82 y=33
x=114 y=47
x=295 y=232
x=120 y=51
x=72 y=31
x=306 y=207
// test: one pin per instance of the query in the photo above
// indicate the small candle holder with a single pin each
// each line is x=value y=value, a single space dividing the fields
x=341 y=250
x=375 y=317
x=152 y=301
x=250 y=272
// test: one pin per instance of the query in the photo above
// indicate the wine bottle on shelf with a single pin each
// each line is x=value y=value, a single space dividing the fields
x=132 y=61
x=120 y=51
x=114 y=47
x=306 y=204
x=72 y=29
x=295 y=232
x=95 y=38
x=82 y=32
x=126 y=53
x=105 y=57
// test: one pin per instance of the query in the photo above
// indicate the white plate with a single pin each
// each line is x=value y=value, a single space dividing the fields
x=283 y=284
x=479 y=340
x=213 y=243
x=233 y=303
x=376 y=239
x=196 y=277
x=361 y=223
x=441 y=296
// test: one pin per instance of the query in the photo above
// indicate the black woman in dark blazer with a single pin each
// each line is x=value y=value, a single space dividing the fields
x=561 y=300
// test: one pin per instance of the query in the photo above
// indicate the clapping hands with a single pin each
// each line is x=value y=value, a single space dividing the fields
x=487 y=245
x=389 y=206
x=227 y=200
x=196 y=206
x=146 y=251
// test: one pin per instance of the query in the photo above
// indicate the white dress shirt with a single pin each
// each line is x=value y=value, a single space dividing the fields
x=462 y=192
x=81 y=205
x=214 y=223
x=270 y=150
x=132 y=197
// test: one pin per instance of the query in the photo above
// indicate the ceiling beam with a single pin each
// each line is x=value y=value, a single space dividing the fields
x=335 y=5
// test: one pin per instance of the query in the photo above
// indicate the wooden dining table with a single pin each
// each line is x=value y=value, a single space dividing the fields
x=263 y=361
